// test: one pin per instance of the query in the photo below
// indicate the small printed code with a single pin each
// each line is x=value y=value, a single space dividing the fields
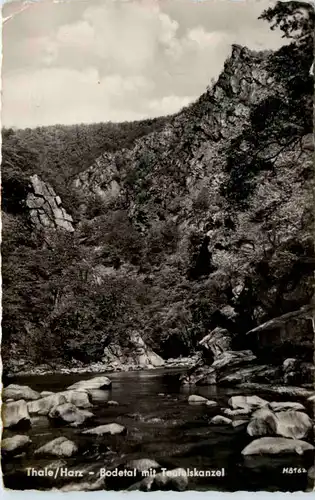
x=293 y=470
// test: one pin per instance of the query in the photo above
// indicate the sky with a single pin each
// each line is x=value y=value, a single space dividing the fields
x=85 y=61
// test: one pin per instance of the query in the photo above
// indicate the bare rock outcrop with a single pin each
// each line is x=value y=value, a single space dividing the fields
x=136 y=354
x=45 y=207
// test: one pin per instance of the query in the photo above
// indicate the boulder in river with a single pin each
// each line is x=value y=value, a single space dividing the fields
x=111 y=402
x=248 y=403
x=93 y=383
x=292 y=424
x=262 y=423
x=44 y=405
x=220 y=420
x=196 y=399
x=59 y=447
x=16 y=415
x=15 y=445
x=101 y=430
x=77 y=398
x=286 y=405
x=69 y=414
x=17 y=392
x=276 y=446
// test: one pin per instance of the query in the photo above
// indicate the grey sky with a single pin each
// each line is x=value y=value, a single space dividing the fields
x=76 y=61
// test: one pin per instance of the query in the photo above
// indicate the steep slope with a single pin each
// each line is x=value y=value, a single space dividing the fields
x=230 y=177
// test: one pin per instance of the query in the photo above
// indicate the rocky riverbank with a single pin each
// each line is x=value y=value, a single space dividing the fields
x=269 y=429
x=77 y=367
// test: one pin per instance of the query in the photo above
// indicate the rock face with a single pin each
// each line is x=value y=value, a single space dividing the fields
x=45 y=207
x=59 y=447
x=16 y=414
x=295 y=329
x=203 y=375
x=135 y=355
x=228 y=359
x=217 y=342
x=276 y=446
x=255 y=373
x=16 y=392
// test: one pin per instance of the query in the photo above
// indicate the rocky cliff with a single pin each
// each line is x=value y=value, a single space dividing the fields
x=45 y=207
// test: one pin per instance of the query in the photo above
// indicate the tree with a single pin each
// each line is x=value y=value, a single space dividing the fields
x=295 y=19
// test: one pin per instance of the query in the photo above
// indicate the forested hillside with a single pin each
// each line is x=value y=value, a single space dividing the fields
x=182 y=224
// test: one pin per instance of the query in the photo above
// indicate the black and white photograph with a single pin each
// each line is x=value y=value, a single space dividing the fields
x=158 y=258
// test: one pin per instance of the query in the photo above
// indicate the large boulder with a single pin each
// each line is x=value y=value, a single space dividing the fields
x=262 y=423
x=135 y=354
x=292 y=424
x=112 y=429
x=220 y=420
x=93 y=383
x=276 y=446
x=217 y=342
x=230 y=359
x=202 y=375
x=59 y=447
x=69 y=414
x=286 y=405
x=15 y=445
x=16 y=414
x=44 y=405
x=16 y=392
x=247 y=403
x=196 y=399
x=77 y=398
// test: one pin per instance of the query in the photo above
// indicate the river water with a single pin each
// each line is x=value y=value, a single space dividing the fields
x=161 y=425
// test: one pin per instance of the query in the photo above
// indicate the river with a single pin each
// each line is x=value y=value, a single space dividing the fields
x=161 y=425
